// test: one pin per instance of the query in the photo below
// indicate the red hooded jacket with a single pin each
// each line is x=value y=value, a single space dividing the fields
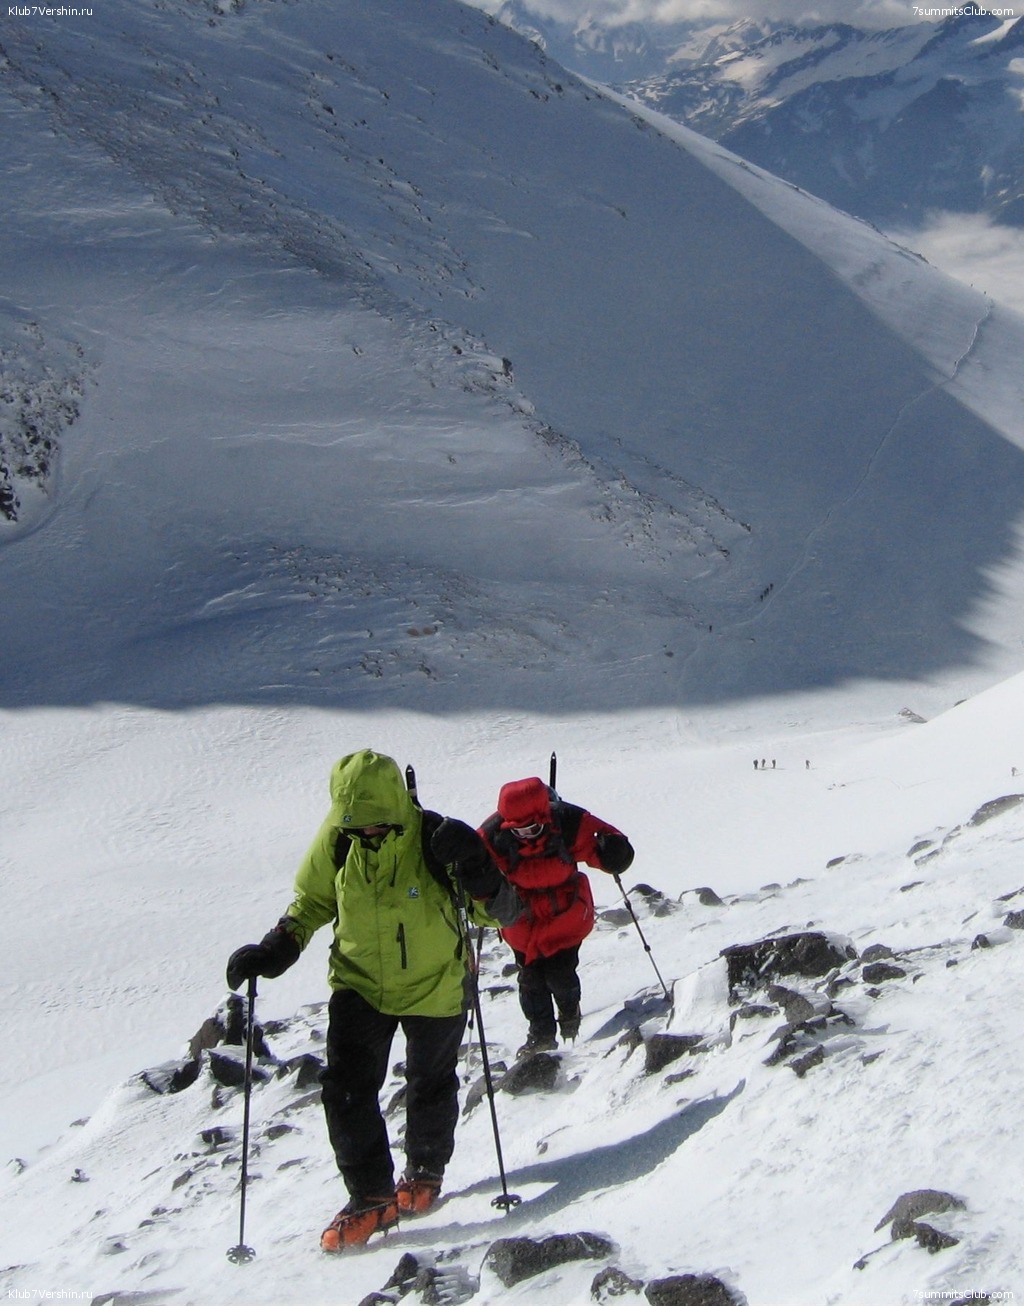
x=559 y=904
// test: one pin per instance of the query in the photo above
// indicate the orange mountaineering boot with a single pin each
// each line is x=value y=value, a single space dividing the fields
x=417 y=1190
x=357 y=1222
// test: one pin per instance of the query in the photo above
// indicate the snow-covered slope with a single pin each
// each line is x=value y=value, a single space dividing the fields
x=887 y=124
x=768 y=1162
x=652 y=431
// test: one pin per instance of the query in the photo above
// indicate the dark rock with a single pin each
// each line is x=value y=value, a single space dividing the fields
x=613 y=1282
x=475 y=1094
x=787 y=1037
x=920 y=847
x=227 y=1025
x=918 y=1202
x=631 y=1040
x=877 y=952
x=995 y=807
x=877 y=972
x=801 y=1065
x=404 y=1272
x=279 y=1131
x=533 y=1074
x=616 y=916
x=225 y=1028
x=708 y=898
x=914 y=884
x=749 y=1011
x=516 y=1259
x=396 y=1102
x=795 y=1005
x=301 y=1103
x=210 y=1034
x=980 y=941
x=306 y=1068
x=378 y=1299
x=690 y=1290
x=657 y=903
x=230 y=1072
x=172 y=1076
x=662 y=1049
x=218 y=1137
x=1014 y=920
x=810 y=954
x=931 y=1239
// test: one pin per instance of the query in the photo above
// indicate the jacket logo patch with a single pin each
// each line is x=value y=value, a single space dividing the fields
x=414 y=892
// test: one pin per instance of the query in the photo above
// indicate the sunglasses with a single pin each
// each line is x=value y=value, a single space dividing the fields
x=527 y=832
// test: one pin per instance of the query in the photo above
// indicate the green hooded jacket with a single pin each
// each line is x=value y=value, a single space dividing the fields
x=397 y=941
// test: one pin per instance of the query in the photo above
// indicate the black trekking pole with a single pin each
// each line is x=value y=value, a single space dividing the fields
x=506 y=1200
x=647 y=947
x=242 y=1254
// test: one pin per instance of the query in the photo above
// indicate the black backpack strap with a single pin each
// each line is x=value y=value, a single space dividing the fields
x=567 y=817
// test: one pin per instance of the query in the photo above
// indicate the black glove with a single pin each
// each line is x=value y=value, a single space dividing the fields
x=614 y=851
x=270 y=957
x=455 y=841
x=458 y=845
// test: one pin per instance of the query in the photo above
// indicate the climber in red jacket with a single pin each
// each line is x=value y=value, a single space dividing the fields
x=537 y=841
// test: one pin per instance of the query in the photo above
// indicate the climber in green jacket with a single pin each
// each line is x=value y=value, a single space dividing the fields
x=398 y=957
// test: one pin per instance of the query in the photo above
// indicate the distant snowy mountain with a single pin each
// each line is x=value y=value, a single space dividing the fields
x=607 y=52
x=885 y=124
x=655 y=435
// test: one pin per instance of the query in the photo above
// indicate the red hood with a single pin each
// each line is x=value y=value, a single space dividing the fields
x=522 y=802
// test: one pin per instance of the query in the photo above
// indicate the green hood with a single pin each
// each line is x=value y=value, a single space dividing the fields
x=367 y=788
x=397 y=937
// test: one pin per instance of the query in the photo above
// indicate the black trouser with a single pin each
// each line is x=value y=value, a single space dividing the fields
x=545 y=983
x=358 y=1050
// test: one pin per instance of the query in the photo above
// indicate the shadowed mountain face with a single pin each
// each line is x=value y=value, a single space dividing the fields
x=410 y=369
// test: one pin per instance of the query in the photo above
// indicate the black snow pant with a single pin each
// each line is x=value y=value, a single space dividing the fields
x=359 y=1041
x=546 y=983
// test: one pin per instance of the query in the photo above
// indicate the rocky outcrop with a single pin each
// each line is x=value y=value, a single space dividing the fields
x=810 y=954
x=516 y=1259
